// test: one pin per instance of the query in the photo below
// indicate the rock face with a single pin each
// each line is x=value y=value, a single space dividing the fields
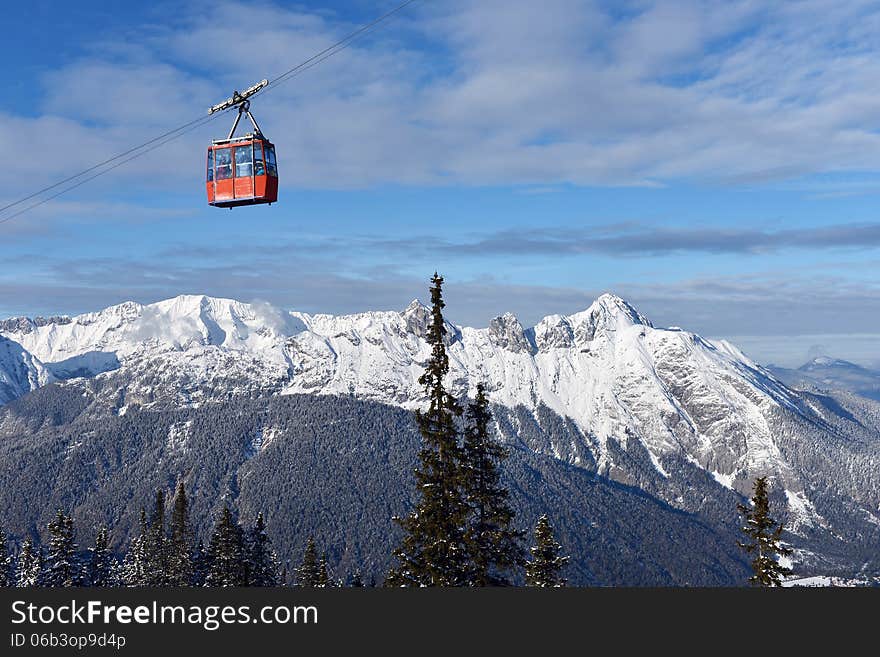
x=689 y=420
x=507 y=333
x=20 y=372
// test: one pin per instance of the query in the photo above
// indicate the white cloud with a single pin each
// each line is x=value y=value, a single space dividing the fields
x=489 y=92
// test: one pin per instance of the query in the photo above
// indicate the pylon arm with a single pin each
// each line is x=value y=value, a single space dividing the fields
x=238 y=98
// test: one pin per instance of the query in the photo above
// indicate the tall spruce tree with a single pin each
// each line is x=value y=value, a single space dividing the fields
x=764 y=543
x=62 y=568
x=308 y=573
x=29 y=566
x=493 y=544
x=6 y=571
x=226 y=554
x=545 y=567
x=134 y=565
x=433 y=551
x=100 y=568
x=262 y=561
x=180 y=544
x=156 y=545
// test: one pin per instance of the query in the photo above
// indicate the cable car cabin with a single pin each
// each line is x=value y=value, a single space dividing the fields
x=242 y=171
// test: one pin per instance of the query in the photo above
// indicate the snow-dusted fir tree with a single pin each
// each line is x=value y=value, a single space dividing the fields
x=200 y=564
x=325 y=579
x=226 y=554
x=101 y=561
x=180 y=543
x=545 y=567
x=764 y=543
x=117 y=573
x=29 y=565
x=156 y=545
x=308 y=572
x=6 y=571
x=134 y=565
x=62 y=567
x=493 y=544
x=433 y=551
x=262 y=563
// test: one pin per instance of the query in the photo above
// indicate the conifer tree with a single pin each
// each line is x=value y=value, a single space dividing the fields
x=493 y=545
x=200 y=564
x=433 y=551
x=62 y=568
x=180 y=544
x=6 y=574
x=262 y=562
x=117 y=573
x=226 y=554
x=29 y=567
x=546 y=565
x=308 y=573
x=135 y=563
x=324 y=580
x=100 y=567
x=156 y=545
x=357 y=580
x=764 y=543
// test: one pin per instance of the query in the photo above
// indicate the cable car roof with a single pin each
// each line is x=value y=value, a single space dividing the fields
x=251 y=136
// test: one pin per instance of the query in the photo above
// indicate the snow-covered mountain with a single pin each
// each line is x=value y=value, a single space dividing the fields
x=650 y=406
x=20 y=372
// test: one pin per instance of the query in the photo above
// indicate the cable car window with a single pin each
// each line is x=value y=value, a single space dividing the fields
x=259 y=167
x=210 y=165
x=244 y=161
x=223 y=156
x=270 y=161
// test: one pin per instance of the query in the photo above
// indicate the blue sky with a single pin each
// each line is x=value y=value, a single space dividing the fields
x=716 y=163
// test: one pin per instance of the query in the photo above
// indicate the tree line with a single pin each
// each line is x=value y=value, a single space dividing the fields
x=460 y=531
x=165 y=553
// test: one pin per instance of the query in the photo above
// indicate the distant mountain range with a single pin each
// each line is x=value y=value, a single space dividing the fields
x=601 y=395
x=826 y=373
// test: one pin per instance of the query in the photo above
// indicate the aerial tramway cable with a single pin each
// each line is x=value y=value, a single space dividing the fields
x=135 y=152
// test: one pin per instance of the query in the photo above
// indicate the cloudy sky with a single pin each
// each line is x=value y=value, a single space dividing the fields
x=715 y=163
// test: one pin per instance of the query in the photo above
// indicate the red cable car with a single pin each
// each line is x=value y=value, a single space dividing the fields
x=241 y=170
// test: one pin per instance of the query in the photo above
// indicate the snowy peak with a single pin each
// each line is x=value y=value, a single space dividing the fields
x=506 y=332
x=612 y=306
x=825 y=362
x=417 y=318
x=553 y=332
x=607 y=315
x=92 y=342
